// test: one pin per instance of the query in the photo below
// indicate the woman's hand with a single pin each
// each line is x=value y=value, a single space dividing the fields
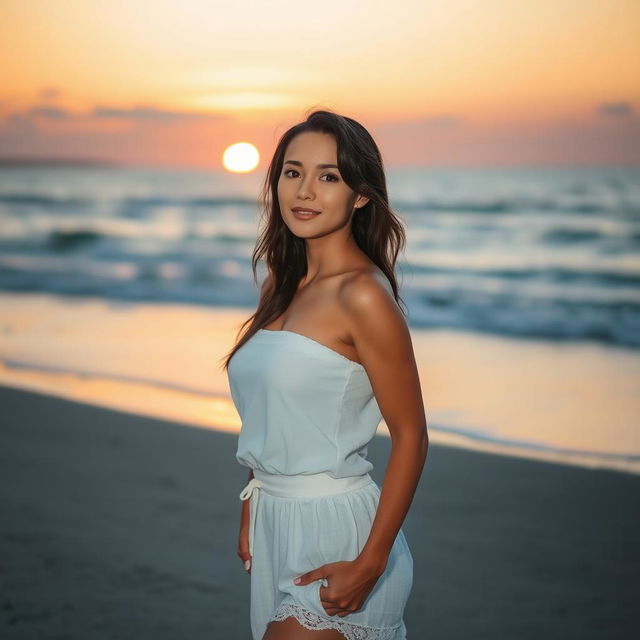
x=243 y=537
x=350 y=582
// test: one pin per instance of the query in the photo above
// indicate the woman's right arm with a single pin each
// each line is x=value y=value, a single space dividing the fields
x=243 y=537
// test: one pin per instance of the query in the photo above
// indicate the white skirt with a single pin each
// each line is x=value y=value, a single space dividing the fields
x=301 y=522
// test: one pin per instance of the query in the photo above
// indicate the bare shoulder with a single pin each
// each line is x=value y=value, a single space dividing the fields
x=382 y=339
x=368 y=301
x=376 y=325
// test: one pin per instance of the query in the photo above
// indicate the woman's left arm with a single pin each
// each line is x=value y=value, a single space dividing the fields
x=384 y=346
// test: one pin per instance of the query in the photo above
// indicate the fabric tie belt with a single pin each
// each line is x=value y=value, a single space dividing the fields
x=295 y=486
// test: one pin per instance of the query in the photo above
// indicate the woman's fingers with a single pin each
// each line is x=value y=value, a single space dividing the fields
x=243 y=551
x=246 y=559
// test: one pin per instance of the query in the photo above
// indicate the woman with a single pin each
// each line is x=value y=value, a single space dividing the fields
x=326 y=355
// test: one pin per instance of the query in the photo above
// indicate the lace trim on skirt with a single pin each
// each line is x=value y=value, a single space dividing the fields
x=310 y=620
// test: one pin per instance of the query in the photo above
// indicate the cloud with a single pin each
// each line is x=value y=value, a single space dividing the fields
x=49 y=93
x=150 y=114
x=28 y=118
x=18 y=123
x=615 y=109
x=52 y=113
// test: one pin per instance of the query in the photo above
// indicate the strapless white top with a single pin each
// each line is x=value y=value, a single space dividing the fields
x=305 y=408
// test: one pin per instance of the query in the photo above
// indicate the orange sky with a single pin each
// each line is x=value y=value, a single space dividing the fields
x=455 y=83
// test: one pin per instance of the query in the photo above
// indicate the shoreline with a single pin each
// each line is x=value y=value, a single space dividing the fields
x=575 y=404
x=218 y=413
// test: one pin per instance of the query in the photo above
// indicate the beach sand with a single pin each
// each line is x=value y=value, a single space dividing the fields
x=120 y=526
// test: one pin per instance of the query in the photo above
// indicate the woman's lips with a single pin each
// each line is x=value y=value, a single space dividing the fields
x=304 y=215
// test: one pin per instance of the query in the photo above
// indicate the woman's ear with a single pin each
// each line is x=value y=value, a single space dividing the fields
x=360 y=202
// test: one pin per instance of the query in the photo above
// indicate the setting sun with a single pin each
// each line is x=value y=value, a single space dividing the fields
x=240 y=157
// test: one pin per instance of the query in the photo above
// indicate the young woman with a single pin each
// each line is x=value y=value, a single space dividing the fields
x=326 y=355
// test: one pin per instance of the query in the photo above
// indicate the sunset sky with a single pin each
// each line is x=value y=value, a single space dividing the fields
x=438 y=83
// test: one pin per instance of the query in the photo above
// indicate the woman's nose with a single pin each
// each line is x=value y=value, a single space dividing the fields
x=305 y=190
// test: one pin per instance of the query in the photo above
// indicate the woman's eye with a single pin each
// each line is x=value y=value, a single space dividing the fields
x=333 y=177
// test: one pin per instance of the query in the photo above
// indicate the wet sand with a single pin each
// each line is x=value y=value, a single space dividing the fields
x=116 y=525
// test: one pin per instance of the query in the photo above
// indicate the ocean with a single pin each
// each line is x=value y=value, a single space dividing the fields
x=538 y=253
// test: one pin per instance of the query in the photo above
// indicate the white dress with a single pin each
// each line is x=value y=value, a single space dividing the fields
x=307 y=410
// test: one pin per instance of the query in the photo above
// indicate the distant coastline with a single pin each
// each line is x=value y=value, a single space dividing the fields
x=53 y=161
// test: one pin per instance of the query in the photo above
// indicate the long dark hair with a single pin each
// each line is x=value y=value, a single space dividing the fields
x=376 y=229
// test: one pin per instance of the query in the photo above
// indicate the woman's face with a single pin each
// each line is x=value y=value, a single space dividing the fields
x=304 y=182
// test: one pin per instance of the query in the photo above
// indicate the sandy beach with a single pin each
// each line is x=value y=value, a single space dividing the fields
x=121 y=526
